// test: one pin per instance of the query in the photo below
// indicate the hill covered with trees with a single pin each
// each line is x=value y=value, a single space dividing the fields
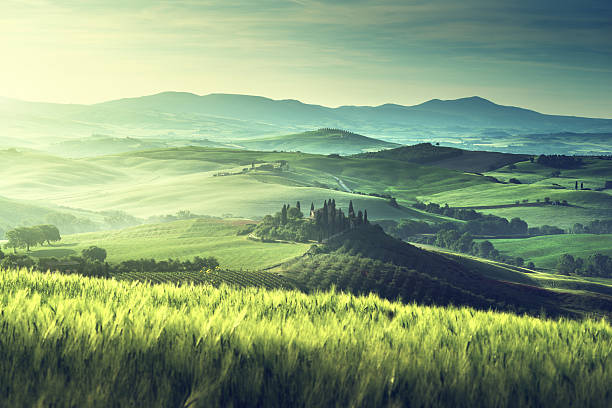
x=320 y=141
x=447 y=157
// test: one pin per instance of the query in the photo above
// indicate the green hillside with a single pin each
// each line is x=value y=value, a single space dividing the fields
x=545 y=251
x=537 y=183
x=447 y=157
x=589 y=289
x=77 y=340
x=180 y=240
x=321 y=141
x=220 y=182
x=367 y=260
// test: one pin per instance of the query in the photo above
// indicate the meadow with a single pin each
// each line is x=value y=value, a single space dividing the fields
x=183 y=240
x=545 y=251
x=78 y=341
x=163 y=181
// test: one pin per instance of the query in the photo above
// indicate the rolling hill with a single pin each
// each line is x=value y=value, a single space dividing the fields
x=321 y=141
x=220 y=182
x=448 y=157
x=367 y=260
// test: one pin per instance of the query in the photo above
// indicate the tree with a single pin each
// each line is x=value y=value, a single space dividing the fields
x=94 y=253
x=14 y=240
x=365 y=216
x=294 y=213
x=485 y=249
x=29 y=237
x=297 y=205
x=351 y=211
x=284 y=215
x=566 y=264
x=50 y=233
x=518 y=226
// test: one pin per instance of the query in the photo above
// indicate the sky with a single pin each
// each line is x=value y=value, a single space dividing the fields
x=551 y=56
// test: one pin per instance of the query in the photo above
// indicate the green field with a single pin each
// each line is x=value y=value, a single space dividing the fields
x=77 y=341
x=183 y=240
x=584 y=205
x=164 y=181
x=545 y=251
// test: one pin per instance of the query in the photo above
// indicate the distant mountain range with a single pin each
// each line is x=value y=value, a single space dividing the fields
x=471 y=122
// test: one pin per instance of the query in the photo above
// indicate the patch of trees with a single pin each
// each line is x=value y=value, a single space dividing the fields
x=464 y=243
x=593 y=227
x=120 y=219
x=545 y=230
x=559 y=161
x=180 y=215
x=289 y=224
x=70 y=224
x=169 y=265
x=484 y=224
x=594 y=265
x=27 y=237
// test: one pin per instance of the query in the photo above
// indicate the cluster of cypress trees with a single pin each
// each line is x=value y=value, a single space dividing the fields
x=330 y=220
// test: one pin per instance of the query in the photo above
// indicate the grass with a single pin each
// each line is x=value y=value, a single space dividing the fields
x=538 y=183
x=545 y=251
x=68 y=340
x=166 y=180
x=183 y=240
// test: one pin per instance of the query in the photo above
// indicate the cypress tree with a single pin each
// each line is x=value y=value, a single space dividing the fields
x=359 y=218
x=311 y=206
x=297 y=205
x=284 y=215
x=351 y=211
x=365 y=216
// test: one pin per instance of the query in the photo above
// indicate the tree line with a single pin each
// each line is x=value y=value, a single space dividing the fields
x=92 y=263
x=485 y=224
x=559 y=161
x=593 y=227
x=26 y=237
x=594 y=265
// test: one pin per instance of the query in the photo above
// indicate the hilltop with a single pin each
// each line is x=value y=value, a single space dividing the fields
x=321 y=141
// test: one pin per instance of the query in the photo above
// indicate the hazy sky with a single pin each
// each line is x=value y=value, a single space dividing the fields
x=552 y=56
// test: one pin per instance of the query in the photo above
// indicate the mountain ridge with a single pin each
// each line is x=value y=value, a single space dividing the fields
x=434 y=103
